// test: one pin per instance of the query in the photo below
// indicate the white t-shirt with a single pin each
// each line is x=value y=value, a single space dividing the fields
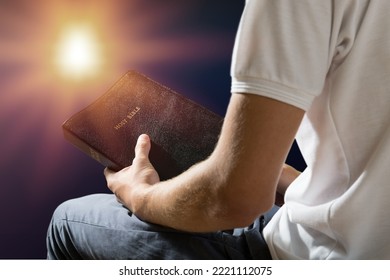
x=332 y=59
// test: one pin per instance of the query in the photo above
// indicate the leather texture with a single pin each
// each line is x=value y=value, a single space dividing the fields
x=182 y=131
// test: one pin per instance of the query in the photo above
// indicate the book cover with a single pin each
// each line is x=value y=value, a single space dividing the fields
x=182 y=132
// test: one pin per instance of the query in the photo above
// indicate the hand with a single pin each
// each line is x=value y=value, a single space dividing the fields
x=131 y=183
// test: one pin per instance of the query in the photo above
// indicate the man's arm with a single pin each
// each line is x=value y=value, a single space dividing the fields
x=289 y=174
x=232 y=187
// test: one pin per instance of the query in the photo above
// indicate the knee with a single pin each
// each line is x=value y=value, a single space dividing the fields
x=86 y=209
x=59 y=218
x=55 y=233
x=77 y=208
x=58 y=240
x=63 y=211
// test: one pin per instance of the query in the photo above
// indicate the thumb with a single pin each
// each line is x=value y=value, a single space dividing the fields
x=142 y=147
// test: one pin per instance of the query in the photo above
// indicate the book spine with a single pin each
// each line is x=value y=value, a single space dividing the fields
x=90 y=151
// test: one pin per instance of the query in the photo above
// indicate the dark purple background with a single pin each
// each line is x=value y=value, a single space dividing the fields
x=185 y=45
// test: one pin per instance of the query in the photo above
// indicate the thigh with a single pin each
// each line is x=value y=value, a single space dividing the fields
x=98 y=227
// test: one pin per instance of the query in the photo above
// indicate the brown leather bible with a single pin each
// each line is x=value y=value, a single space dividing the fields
x=182 y=132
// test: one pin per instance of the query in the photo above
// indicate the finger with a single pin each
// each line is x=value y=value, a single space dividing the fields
x=108 y=172
x=142 y=147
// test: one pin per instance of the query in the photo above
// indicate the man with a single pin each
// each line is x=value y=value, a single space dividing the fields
x=315 y=70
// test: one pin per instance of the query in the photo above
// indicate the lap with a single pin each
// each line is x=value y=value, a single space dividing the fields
x=98 y=227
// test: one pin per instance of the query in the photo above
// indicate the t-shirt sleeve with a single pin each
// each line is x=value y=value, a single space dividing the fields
x=282 y=50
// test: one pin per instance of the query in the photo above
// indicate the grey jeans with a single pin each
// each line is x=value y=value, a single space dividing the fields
x=98 y=227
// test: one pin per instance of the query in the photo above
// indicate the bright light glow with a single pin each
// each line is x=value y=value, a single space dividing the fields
x=78 y=54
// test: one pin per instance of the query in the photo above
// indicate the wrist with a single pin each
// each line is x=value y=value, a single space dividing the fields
x=138 y=200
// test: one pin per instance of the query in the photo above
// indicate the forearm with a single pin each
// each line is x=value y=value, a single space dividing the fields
x=206 y=198
x=188 y=202
x=288 y=175
x=199 y=200
x=192 y=201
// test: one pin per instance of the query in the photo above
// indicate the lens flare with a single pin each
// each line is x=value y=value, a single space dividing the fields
x=78 y=54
